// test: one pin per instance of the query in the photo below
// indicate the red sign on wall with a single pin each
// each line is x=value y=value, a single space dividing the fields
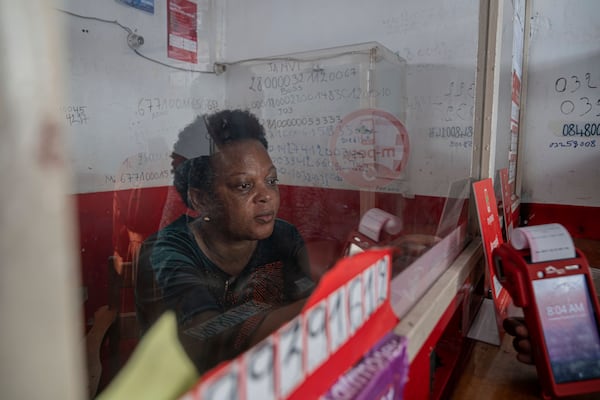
x=182 y=30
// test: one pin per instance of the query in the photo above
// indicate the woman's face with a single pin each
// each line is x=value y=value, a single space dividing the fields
x=246 y=192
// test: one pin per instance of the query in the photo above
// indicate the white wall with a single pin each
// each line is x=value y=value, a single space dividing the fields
x=120 y=105
x=438 y=40
x=564 y=49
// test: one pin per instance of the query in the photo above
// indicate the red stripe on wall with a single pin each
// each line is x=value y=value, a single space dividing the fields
x=581 y=222
x=324 y=217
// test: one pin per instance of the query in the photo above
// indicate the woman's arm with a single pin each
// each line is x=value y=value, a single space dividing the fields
x=212 y=337
x=275 y=319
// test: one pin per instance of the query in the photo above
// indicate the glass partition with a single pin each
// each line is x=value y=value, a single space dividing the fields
x=368 y=118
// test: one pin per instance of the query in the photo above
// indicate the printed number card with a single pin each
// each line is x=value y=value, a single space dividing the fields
x=290 y=357
x=260 y=371
x=317 y=350
x=347 y=314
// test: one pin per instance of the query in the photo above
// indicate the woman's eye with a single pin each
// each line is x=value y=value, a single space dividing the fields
x=272 y=181
x=244 y=186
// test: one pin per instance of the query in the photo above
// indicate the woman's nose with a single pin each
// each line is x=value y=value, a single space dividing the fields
x=263 y=193
x=264 y=197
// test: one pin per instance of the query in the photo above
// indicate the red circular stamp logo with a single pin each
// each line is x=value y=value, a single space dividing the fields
x=369 y=148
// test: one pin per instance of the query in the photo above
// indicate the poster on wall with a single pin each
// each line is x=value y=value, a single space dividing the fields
x=182 y=31
x=144 y=5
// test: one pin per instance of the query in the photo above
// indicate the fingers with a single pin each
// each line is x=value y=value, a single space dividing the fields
x=525 y=358
x=524 y=350
x=515 y=326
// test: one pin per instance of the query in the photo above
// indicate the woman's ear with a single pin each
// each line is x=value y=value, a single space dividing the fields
x=196 y=198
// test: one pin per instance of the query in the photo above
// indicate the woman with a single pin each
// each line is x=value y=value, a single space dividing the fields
x=236 y=272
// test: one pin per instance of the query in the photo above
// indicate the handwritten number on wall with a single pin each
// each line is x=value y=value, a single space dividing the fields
x=588 y=105
x=577 y=83
x=560 y=85
x=583 y=105
x=588 y=78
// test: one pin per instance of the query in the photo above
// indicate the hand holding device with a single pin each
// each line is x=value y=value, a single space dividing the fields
x=516 y=327
x=561 y=313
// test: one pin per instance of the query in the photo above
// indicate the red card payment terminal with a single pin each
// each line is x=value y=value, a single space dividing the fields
x=562 y=313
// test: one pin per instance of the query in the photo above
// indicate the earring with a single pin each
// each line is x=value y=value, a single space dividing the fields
x=206 y=219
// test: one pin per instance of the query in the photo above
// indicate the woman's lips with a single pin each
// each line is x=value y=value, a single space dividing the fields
x=266 y=217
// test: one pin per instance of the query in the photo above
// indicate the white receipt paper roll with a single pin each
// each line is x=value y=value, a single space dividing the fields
x=375 y=220
x=547 y=242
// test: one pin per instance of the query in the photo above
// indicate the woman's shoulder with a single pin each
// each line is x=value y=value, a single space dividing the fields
x=285 y=236
x=282 y=226
x=175 y=244
x=174 y=237
x=175 y=228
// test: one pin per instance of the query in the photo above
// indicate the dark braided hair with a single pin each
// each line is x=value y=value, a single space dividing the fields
x=223 y=127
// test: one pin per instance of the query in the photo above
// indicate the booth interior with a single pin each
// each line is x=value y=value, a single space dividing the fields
x=379 y=117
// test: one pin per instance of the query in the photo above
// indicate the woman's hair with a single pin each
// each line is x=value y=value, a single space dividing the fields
x=223 y=127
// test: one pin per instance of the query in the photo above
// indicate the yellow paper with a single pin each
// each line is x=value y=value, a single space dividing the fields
x=159 y=369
